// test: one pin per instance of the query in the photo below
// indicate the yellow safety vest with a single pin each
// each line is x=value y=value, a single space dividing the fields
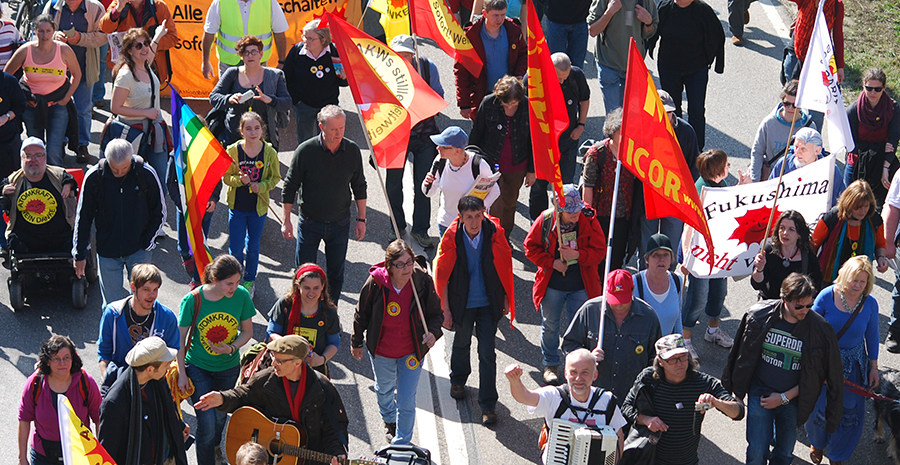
x=231 y=29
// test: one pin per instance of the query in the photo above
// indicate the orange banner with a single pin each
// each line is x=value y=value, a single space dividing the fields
x=546 y=107
x=187 y=56
x=650 y=150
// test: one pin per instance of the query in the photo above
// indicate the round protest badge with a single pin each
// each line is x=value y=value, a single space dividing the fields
x=319 y=74
x=313 y=69
x=639 y=349
x=321 y=323
x=393 y=309
x=412 y=362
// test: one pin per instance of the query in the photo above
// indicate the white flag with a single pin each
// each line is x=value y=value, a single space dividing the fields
x=819 y=89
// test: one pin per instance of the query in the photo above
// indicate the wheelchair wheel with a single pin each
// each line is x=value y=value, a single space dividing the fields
x=79 y=293
x=16 y=295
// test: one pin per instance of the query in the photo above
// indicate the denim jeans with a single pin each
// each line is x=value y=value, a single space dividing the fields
x=694 y=84
x=612 y=85
x=183 y=245
x=568 y=169
x=244 y=233
x=99 y=91
x=83 y=106
x=211 y=422
x=569 y=38
x=159 y=161
x=396 y=382
x=55 y=135
x=307 y=124
x=551 y=317
x=423 y=151
x=112 y=284
x=703 y=295
x=40 y=459
x=736 y=10
x=670 y=226
x=336 y=235
x=480 y=319
x=764 y=424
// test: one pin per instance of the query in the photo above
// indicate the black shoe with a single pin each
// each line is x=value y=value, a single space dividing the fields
x=892 y=343
x=457 y=391
x=81 y=155
x=488 y=417
x=390 y=430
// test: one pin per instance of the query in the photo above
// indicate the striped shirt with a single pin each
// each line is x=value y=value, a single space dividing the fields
x=9 y=40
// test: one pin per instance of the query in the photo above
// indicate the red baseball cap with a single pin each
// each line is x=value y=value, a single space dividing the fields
x=619 y=287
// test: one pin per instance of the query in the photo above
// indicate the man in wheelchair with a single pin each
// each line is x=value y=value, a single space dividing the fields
x=40 y=201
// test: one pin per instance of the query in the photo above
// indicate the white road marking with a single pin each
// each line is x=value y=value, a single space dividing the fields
x=425 y=421
x=770 y=7
x=454 y=439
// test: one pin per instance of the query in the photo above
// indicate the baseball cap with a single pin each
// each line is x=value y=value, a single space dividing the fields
x=619 y=287
x=294 y=345
x=809 y=135
x=658 y=241
x=453 y=136
x=33 y=141
x=574 y=204
x=149 y=350
x=667 y=101
x=670 y=345
x=403 y=43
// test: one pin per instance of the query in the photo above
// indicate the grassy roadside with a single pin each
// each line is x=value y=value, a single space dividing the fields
x=871 y=38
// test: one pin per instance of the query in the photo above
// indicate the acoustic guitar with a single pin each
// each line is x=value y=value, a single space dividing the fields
x=284 y=442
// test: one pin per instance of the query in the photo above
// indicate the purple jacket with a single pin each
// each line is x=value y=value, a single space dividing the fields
x=44 y=416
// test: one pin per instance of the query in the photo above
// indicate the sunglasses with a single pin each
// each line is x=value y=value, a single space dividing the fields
x=874 y=88
x=788 y=104
x=801 y=307
x=140 y=45
x=250 y=53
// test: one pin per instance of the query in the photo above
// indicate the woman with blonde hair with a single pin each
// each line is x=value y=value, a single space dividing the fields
x=850 y=308
x=849 y=229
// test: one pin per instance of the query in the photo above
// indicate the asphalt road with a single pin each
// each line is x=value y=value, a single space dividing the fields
x=736 y=102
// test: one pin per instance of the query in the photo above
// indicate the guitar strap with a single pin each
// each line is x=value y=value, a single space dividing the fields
x=297 y=399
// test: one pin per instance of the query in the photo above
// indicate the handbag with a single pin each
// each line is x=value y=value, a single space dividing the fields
x=172 y=374
x=640 y=446
x=140 y=138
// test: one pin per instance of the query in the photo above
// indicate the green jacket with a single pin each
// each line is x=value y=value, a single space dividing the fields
x=270 y=177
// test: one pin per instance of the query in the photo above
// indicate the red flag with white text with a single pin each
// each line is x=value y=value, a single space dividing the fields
x=433 y=19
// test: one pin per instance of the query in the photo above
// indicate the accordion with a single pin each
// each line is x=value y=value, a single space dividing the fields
x=575 y=444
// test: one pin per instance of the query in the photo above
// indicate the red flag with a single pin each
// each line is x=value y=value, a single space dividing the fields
x=650 y=150
x=433 y=19
x=391 y=96
x=546 y=108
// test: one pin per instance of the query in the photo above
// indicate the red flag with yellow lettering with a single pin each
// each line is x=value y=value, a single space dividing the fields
x=433 y=19
x=650 y=150
x=390 y=95
x=546 y=108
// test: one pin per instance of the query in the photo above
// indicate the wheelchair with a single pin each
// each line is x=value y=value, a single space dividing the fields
x=49 y=271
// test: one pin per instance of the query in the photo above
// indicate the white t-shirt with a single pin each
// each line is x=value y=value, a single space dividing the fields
x=454 y=183
x=893 y=195
x=549 y=402
x=213 y=20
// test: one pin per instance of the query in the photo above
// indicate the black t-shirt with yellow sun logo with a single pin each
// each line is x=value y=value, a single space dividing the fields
x=244 y=199
x=41 y=222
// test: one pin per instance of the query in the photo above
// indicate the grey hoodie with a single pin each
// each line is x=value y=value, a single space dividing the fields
x=772 y=138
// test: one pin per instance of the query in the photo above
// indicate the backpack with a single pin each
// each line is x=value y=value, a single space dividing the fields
x=640 y=284
x=259 y=357
x=37 y=385
x=477 y=156
x=565 y=403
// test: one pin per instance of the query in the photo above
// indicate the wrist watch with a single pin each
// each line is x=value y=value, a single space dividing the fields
x=361 y=220
x=784 y=399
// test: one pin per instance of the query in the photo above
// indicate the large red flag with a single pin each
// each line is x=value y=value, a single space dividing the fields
x=546 y=108
x=391 y=96
x=433 y=19
x=650 y=150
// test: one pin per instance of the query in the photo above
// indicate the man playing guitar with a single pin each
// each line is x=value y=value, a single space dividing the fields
x=286 y=389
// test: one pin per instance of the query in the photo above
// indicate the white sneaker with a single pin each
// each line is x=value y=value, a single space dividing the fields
x=719 y=337
x=690 y=347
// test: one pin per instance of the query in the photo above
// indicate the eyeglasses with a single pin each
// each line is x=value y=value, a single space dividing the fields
x=312 y=38
x=874 y=88
x=788 y=104
x=58 y=360
x=278 y=362
x=250 y=53
x=677 y=360
x=34 y=156
x=140 y=45
x=404 y=265
x=801 y=307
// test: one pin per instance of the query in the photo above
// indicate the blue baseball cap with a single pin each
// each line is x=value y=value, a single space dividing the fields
x=453 y=136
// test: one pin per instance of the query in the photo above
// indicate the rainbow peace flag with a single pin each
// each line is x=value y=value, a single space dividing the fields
x=78 y=444
x=200 y=163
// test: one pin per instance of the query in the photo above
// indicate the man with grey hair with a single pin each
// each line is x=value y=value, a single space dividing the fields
x=806 y=149
x=327 y=171
x=577 y=95
x=122 y=198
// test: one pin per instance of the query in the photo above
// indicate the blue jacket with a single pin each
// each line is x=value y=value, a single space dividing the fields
x=115 y=342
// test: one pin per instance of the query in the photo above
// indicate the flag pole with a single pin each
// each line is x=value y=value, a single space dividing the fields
x=390 y=212
x=558 y=228
x=612 y=225
x=780 y=175
x=363 y=15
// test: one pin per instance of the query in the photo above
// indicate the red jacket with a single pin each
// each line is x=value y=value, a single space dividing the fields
x=470 y=90
x=591 y=246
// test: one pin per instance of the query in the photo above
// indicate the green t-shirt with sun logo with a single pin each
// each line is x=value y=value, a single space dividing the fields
x=218 y=321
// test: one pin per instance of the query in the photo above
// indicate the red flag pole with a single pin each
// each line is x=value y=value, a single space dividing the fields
x=609 y=243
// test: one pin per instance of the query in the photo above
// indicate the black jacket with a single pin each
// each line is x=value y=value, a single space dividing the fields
x=820 y=360
x=128 y=212
x=458 y=283
x=265 y=391
x=370 y=313
x=490 y=127
x=713 y=34
x=121 y=430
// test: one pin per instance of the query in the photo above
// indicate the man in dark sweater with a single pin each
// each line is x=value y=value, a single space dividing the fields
x=320 y=170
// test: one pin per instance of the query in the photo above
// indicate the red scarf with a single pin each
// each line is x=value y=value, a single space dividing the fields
x=296 y=314
x=297 y=400
x=874 y=121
